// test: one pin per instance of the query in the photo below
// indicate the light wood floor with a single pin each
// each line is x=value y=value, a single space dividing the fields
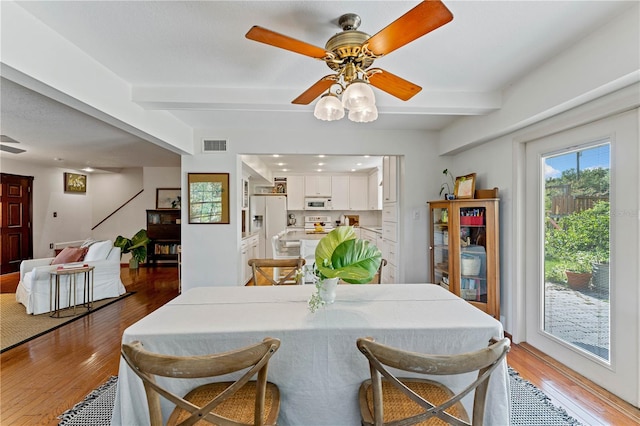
x=44 y=377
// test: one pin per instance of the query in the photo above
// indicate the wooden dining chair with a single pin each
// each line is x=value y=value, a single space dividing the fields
x=287 y=270
x=240 y=402
x=383 y=262
x=391 y=399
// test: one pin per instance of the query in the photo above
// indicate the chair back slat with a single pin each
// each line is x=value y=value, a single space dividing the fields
x=251 y=360
x=269 y=270
x=380 y=356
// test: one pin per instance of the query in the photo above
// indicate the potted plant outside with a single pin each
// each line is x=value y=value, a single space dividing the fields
x=137 y=246
x=341 y=255
x=579 y=270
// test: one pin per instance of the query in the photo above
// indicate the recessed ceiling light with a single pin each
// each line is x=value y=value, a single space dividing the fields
x=367 y=156
x=358 y=164
x=276 y=155
x=353 y=170
x=88 y=169
x=281 y=164
x=320 y=164
x=319 y=170
x=321 y=156
x=285 y=170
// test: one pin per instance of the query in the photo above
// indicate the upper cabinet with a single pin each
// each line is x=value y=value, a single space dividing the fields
x=295 y=192
x=317 y=186
x=349 y=192
x=375 y=190
x=358 y=192
x=389 y=178
x=340 y=192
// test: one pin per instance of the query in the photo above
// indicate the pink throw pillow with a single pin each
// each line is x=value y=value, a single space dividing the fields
x=70 y=254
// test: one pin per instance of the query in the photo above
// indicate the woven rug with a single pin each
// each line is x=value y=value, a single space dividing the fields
x=529 y=406
x=17 y=327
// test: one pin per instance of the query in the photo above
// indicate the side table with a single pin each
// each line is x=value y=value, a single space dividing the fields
x=72 y=274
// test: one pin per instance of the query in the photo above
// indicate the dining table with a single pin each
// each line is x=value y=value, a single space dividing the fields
x=318 y=368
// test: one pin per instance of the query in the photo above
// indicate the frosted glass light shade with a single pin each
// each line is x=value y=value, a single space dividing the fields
x=364 y=115
x=358 y=96
x=329 y=108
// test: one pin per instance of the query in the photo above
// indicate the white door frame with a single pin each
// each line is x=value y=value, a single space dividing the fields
x=622 y=377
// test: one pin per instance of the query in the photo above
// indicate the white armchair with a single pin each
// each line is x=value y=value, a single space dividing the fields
x=33 y=290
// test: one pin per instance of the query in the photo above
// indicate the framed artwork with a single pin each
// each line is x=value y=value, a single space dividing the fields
x=208 y=198
x=74 y=182
x=465 y=186
x=168 y=198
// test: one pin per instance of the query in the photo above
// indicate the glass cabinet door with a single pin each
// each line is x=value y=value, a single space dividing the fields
x=440 y=246
x=473 y=254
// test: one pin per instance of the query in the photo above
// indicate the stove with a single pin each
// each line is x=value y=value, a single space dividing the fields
x=325 y=222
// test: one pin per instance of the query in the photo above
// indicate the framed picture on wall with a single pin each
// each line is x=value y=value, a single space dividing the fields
x=74 y=182
x=465 y=186
x=168 y=198
x=209 y=198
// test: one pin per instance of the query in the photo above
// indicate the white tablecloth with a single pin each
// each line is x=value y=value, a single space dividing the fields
x=318 y=367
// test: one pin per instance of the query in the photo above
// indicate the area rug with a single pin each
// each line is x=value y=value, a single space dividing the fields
x=17 y=327
x=529 y=406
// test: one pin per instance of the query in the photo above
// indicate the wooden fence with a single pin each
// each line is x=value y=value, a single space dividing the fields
x=563 y=205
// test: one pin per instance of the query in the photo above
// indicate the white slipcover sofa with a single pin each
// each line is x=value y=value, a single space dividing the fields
x=33 y=290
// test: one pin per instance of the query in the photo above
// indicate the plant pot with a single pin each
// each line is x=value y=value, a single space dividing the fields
x=327 y=290
x=133 y=263
x=578 y=280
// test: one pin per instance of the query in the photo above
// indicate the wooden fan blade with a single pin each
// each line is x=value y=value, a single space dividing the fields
x=316 y=90
x=392 y=84
x=272 y=38
x=425 y=17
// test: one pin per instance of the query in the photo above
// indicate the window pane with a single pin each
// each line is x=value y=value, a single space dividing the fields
x=576 y=267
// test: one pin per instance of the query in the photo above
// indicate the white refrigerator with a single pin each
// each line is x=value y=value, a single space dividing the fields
x=268 y=217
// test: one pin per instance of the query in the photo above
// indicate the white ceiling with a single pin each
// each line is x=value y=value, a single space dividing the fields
x=192 y=59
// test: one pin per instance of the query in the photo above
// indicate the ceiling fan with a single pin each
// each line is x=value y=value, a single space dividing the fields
x=6 y=148
x=351 y=53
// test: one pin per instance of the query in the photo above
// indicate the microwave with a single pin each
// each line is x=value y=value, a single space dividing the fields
x=317 y=203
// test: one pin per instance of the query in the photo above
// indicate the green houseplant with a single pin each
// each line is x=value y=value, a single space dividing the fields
x=341 y=255
x=136 y=245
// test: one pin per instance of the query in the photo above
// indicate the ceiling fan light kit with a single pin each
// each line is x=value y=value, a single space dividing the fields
x=350 y=53
x=329 y=108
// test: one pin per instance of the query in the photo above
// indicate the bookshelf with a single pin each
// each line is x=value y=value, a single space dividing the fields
x=163 y=230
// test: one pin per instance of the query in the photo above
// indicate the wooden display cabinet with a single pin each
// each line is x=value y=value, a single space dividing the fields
x=464 y=250
x=163 y=230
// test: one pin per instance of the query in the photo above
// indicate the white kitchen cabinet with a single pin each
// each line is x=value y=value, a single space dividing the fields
x=340 y=192
x=317 y=186
x=249 y=249
x=390 y=178
x=375 y=190
x=358 y=192
x=369 y=235
x=295 y=192
x=349 y=192
x=244 y=261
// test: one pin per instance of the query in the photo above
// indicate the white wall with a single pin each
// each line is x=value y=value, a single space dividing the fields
x=78 y=213
x=211 y=252
x=604 y=61
x=73 y=221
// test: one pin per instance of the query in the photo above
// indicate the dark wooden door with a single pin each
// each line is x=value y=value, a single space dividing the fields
x=15 y=207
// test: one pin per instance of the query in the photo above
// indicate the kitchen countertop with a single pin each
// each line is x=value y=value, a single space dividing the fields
x=377 y=229
x=246 y=235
